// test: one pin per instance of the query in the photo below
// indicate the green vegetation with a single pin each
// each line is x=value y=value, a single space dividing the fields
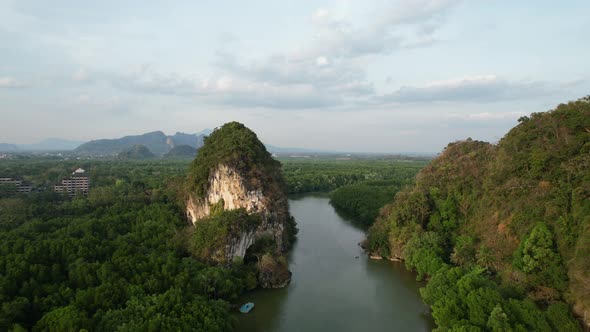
x=501 y=232
x=136 y=152
x=213 y=234
x=115 y=260
x=236 y=146
x=469 y=300
x=363 y=200
x=359 y=186
x=214 y=238
x=182 y=151
x=43 y=173
x=304 y=175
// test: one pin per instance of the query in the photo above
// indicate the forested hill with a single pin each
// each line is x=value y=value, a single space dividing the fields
x=501 y=231
x=136 y=152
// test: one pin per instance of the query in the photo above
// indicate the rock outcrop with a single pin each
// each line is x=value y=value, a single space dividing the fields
x=228 y=186
x=233 y=171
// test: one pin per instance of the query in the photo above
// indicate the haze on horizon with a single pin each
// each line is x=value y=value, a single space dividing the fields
x=374 y=76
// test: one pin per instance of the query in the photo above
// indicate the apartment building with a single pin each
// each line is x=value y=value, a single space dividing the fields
x=18 y=186
x=77 y=183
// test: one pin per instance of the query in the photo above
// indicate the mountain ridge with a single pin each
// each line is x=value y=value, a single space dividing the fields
x=156 y=141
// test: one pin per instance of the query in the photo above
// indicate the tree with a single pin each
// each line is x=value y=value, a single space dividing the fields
x=484 y=257
x=424 y=254
x=464 y=251
x=538 y=257
x=67 y=319
x=498 y=321
x=560 y=317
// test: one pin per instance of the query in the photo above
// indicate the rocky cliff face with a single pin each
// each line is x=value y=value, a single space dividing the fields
x=237 y=203
x=228 y=186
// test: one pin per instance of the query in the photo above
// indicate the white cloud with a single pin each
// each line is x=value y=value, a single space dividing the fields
x=321 y=61
x=11 y=83
x=418 y=11
x=112 y=104
x=224 y=89
x=145 y=79
x=335 y=61
x=339 y=79
x=81 y=75
x=481 y=88
x=399 y=25
x=320 y=16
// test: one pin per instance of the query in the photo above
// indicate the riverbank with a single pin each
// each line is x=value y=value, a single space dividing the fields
x=335 y=286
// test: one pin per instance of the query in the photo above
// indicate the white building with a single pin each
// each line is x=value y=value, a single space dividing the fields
x=78 y=182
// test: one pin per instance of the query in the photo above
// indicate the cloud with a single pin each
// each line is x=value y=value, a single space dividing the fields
x=329 y=69
x=11 y=83
x=81 y=75
x=484 y=88
x=400 y=25
x=109 y=104
x=320 y=73
x=146 y=79
x=334 y=62
x=223 y=89
x=321 y=61
x=276 y=97
x=410 y=12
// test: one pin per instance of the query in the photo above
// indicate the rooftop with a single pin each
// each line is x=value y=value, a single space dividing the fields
x=79 y=171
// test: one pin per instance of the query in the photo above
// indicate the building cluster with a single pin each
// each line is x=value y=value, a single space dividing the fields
x=15 y=185
x=77 y=183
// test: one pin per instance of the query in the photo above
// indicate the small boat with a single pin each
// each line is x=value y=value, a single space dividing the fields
x=246 y=307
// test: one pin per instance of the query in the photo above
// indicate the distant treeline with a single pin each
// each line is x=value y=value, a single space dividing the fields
x=325 y=175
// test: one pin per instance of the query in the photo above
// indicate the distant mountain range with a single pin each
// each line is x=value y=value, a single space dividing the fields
x=157 y=142
x=50 y=144
x=5 y=147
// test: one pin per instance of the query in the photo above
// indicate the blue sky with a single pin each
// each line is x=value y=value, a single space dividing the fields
x=379 y=76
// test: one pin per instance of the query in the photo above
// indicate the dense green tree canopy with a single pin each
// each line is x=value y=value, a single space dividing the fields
x=519 y=210
x=115 y=260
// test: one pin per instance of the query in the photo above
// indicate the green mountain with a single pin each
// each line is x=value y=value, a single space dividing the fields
x=181 y=151
x=239 y=147
x=502 y=232
x=236 y=200
x=136 y=152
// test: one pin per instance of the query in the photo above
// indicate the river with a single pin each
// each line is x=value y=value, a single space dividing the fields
x=332 y=289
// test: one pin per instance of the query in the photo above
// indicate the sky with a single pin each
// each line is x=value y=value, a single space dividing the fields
x=363 y=76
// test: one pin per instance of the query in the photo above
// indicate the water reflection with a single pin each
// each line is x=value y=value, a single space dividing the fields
x=332 y=290
x=268 y=310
